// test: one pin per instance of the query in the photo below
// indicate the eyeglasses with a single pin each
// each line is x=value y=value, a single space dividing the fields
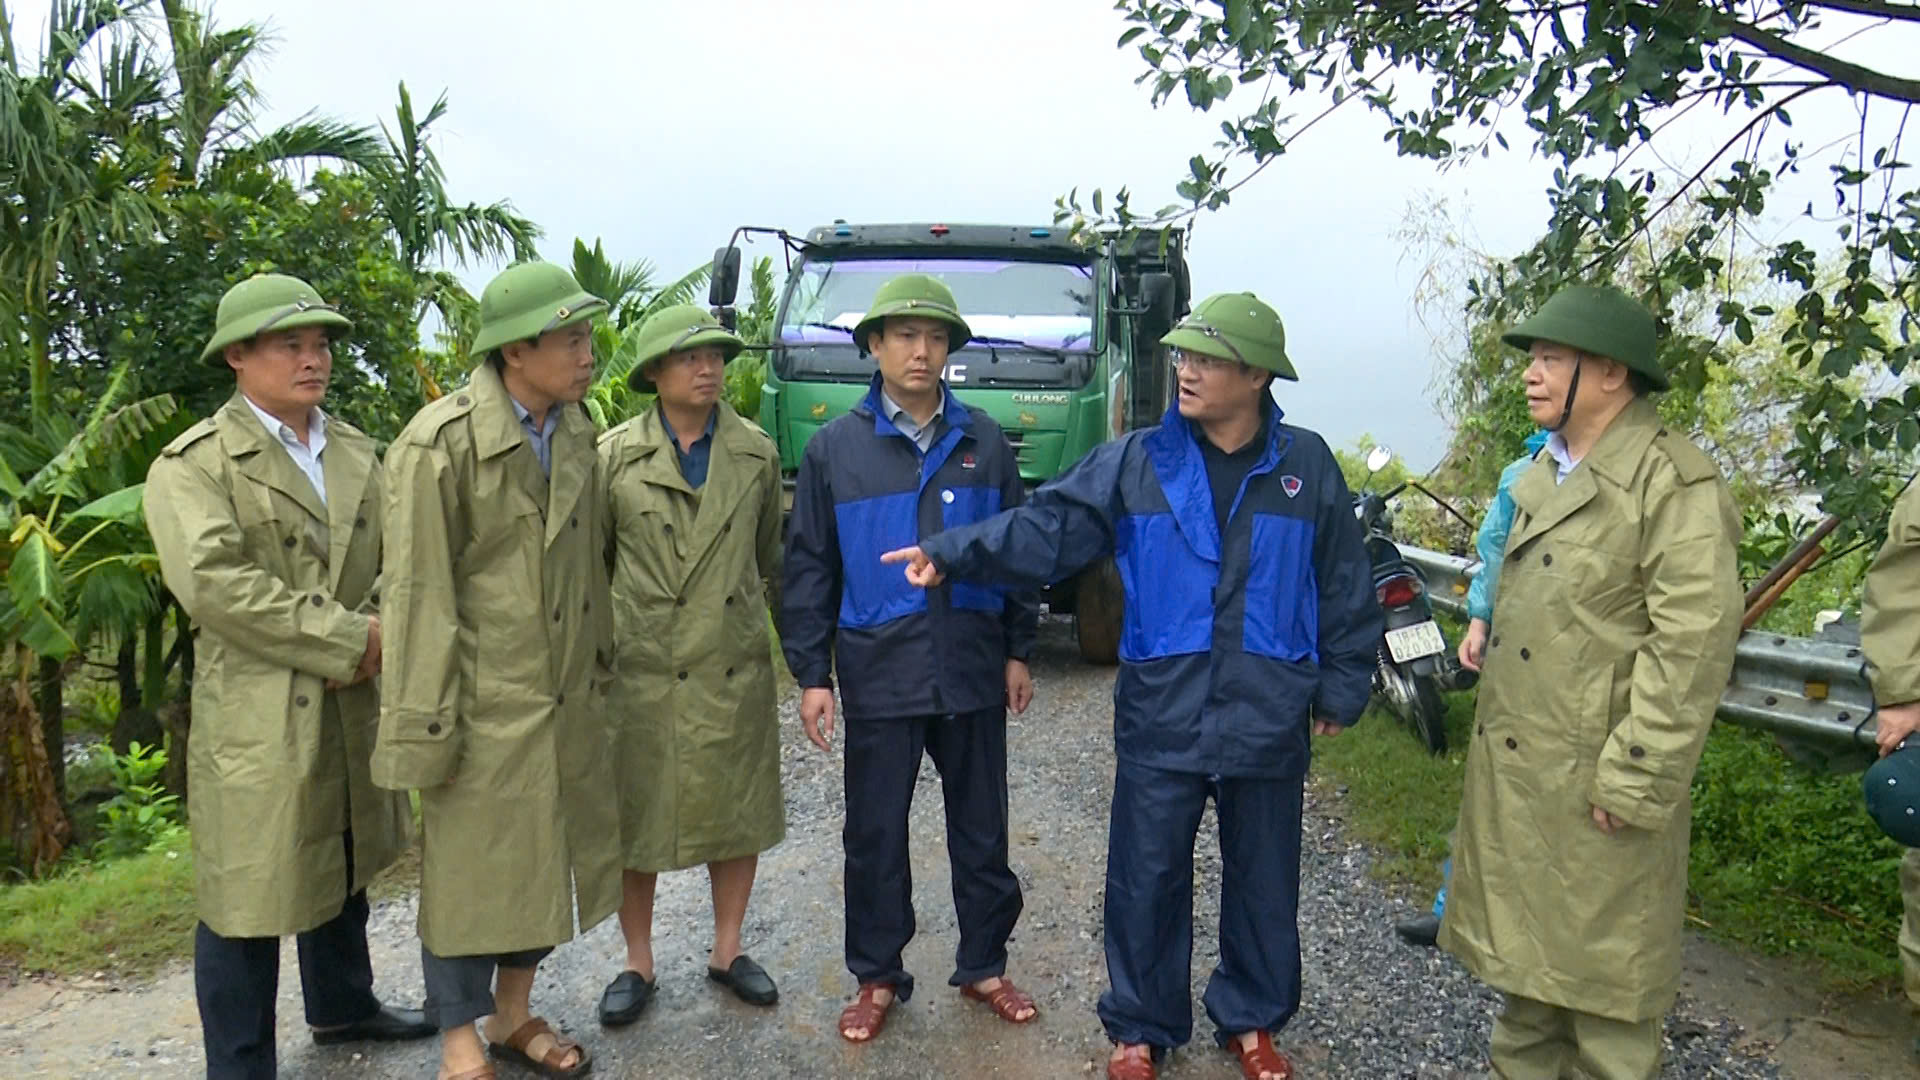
x=1202 y=361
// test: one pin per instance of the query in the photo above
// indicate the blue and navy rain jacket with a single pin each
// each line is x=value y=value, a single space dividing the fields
x=1231 y=644
x=865 y=489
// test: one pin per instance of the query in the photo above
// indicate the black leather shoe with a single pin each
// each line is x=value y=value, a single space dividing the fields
x=626 y=995
x=1419 y=930
x=387 y=1025
x=748 y=981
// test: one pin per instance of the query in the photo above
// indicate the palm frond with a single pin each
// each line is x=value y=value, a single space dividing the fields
x=102 y=435
x=305 y=138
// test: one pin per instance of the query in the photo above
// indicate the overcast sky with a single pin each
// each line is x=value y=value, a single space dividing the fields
x=658 y=126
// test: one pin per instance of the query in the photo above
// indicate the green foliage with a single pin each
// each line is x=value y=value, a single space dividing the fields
x=1787 y=861
x=142 y=817
x=1594 y=84
x=1783 y=860
x=130 y=916
x=610 y=401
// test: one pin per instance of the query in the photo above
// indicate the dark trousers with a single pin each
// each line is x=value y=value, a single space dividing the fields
x=237 y=979
x=883 y=761
x=460 y=988
x=1149 y=907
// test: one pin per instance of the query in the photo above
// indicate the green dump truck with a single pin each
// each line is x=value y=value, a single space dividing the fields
x=1065 y=354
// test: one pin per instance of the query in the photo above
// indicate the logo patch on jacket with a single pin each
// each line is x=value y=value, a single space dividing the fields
x=966 y=461
x=1291 y=485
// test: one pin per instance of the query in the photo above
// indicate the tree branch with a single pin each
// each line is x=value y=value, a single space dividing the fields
x=1851 y=75
x=1883 y=9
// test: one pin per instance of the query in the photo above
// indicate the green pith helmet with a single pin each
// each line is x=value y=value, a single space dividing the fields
x=1892 y=786
x=674 y=329
x=1235 y=326
x=266 y=302
x=915 y=295
x=527 y=300
x=1597 y=319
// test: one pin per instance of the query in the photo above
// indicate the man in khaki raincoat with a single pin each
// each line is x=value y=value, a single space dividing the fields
x=266 y=518
x=693 y=494
x=498 y=641
x=1614 y=630
x=1890 y=636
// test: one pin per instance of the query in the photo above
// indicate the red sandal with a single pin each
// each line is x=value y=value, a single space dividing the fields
x=1131 y=1066
x=1006 y=1001
x=1261 y=1060
x=866 y=1013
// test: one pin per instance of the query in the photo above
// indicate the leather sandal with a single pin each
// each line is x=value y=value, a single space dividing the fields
x=1131 y=1066
x=1006 y=1001
x=553 y=1062
x=1261 y=1059
x=866 y=1013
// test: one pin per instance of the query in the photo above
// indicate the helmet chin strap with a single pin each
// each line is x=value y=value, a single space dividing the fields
x=1573 y=387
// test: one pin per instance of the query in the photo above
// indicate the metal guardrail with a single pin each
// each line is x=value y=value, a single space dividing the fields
x=1810 y=692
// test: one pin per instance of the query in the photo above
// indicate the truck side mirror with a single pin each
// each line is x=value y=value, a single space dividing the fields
x=1156 y=296
x=723 y=282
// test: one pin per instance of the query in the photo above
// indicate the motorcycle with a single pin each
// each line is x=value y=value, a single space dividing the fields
x=1416 y=662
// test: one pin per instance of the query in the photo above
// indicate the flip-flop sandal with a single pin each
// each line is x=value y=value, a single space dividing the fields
x=1132 y=1066
x=1006 y=1001
x=866 y=1013
x=549 y=1063
x=1261 y=1058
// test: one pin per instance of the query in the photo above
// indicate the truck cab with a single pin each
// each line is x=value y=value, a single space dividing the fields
x=1065 y=353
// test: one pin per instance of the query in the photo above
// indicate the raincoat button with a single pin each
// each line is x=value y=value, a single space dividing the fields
x=288 y=542
x=1637 y=752
x=1525 y=654
x=683 y=676
x=1511 y=744
x=464 y=400
x=318 y=600
x=1483 y=729
x=1546 y=560
x=433 y=728
x=359 y=523
x=301 y=701
x=729 y=673
x=560 y=699
x=727 y=528
x=729 y=601
x=1495 y=643
x=556 y=614
x=573 y=522
x=668 y=528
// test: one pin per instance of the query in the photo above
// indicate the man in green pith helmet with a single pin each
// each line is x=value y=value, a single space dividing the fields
x=266 y=518
x=499 y=652
x=1614 y=631
x=693 y=543
x=1250 y=622
x=922 y=674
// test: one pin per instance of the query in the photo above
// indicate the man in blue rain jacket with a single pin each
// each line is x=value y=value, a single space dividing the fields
x=920 y=672
x=1250 y=620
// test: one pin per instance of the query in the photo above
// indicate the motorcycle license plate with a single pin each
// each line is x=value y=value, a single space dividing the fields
x=1416 y=641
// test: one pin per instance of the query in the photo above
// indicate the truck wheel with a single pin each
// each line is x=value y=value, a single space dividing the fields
x=1099 y=604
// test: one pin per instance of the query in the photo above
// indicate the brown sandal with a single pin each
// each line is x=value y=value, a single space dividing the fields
x=549 y=1063
x=866 y=1013
x=1132 y=1066
x=1261 y=1059
x=1006 y=1000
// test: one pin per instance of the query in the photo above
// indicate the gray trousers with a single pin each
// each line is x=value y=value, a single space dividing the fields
x=460 y=988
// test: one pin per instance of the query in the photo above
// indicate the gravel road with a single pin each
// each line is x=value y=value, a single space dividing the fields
x=1374 y=1007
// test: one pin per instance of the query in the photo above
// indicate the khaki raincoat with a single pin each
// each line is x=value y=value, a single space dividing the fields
x=279 y=586
x=498 y=635
x=693 y=706
x=1890 y=636
x=1612 y=641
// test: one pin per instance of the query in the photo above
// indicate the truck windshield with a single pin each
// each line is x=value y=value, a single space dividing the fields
x=1032 y=321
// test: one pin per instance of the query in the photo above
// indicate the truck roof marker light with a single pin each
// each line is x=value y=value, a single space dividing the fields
x=939 y=230
x=843 y=230
x=1040 y=234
